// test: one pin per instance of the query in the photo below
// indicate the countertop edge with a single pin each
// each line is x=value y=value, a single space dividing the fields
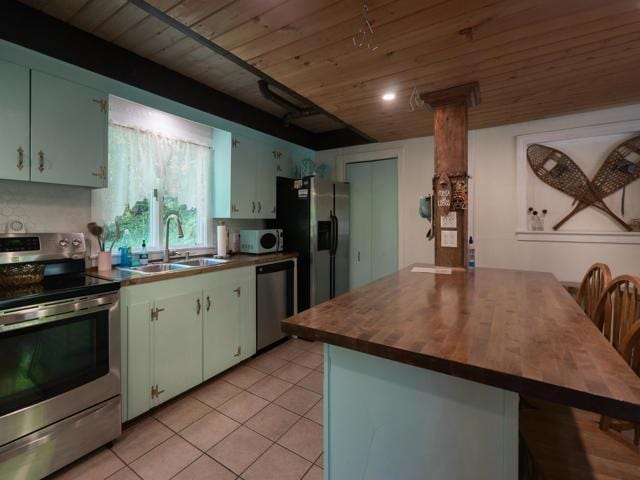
x=117 y=275
x=524 y=386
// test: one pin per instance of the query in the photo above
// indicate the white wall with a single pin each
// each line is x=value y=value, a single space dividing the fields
x=492 y=155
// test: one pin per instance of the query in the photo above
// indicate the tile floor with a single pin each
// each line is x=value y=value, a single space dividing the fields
x=262 y=420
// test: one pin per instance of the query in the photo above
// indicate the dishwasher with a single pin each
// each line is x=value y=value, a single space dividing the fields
x=274 y=291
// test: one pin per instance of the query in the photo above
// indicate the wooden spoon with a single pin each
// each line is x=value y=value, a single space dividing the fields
x=97 y=231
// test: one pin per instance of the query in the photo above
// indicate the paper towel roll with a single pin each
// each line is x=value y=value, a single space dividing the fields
x=222 y=240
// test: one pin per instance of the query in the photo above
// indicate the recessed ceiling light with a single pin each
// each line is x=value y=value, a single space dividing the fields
x=387 y=97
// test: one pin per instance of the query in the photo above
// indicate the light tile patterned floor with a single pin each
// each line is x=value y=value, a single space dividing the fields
x=262 y=420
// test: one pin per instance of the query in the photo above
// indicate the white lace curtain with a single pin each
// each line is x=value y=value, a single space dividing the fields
x=141 y=161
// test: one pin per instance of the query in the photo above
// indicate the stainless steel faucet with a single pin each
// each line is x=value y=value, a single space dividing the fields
x=167 y=252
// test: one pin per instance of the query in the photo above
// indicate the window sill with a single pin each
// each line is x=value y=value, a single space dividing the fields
x=628 y=238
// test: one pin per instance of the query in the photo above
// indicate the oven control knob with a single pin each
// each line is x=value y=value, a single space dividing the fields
x=64 y=242
x=76 y=243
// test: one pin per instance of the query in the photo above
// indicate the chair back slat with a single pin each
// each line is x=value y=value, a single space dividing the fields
x=593 y=284
x=617 y=315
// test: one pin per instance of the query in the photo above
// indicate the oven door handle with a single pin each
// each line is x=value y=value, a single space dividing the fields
x=49 y=313
x=33 y=440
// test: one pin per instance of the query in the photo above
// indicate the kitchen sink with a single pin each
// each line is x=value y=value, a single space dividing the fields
x=202 y=262
x=156 y=268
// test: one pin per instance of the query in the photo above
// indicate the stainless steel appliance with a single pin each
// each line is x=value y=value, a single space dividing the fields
x=261 y=241
x=274 y=292
x=59 y=358
x=314 y=214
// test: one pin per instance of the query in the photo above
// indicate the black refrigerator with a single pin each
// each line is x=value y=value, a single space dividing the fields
x=314 y=215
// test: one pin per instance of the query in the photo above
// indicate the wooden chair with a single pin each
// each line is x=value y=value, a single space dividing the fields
x=617 y=315
x=563 y=443
x=593 y=284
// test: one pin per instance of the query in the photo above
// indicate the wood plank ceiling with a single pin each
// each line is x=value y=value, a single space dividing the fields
x=533 y=58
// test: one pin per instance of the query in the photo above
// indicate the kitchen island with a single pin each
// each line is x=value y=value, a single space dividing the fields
x=423 y=372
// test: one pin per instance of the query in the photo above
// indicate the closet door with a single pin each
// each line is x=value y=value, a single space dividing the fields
x=384 y=218
x=360 y=216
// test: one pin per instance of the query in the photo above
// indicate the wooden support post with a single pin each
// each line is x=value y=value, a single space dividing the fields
x=450 y=108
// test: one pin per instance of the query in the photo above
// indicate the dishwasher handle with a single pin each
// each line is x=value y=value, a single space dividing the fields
x=274 y=267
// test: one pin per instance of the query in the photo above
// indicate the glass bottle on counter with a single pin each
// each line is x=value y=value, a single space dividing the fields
x=126 y=259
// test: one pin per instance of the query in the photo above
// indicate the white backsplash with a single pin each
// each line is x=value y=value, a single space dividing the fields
x=43 y=207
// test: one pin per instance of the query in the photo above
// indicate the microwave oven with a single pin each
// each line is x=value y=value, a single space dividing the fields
x=261 y=241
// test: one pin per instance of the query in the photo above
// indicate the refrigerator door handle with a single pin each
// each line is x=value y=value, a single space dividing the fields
x=334 y=235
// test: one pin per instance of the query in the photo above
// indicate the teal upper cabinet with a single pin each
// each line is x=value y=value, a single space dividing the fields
x=14 y=121
x=244 y=177
x=284 y=163
x=68 y=132
x=266 y=172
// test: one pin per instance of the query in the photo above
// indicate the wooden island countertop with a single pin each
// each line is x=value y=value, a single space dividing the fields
x=516 y=330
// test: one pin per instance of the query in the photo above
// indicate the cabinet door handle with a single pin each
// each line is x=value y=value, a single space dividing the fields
x=358 y=255
x=155 y=312
x=208 y=303
x=41 y=161
x=253 y=210
x=198 y=306
x=238 y=291
x=238 y=352
x=234 y=208
x=20 y=163
x=102 y=172
x=102 y=103
x=259 y=207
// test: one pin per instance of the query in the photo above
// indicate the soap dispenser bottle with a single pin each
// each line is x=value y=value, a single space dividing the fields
x=144 y=254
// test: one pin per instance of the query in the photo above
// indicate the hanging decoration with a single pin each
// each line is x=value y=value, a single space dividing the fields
x=556 y=169
x=415 y=100
x=365 y=35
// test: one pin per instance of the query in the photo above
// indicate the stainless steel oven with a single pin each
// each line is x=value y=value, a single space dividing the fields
x=59 y=376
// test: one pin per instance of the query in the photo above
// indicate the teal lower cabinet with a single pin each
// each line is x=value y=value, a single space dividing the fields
x=179 y=332
x=221 y=329
x=248 y=315
x=229 y=330
x=177 y=345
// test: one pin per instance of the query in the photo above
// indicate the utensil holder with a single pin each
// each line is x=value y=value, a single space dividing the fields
x=104 y=261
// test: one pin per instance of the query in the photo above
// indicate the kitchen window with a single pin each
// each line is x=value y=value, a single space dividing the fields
x=152 y=175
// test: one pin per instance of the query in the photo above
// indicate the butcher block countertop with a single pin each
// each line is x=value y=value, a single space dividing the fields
x=516 y=330
x=127 y=278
